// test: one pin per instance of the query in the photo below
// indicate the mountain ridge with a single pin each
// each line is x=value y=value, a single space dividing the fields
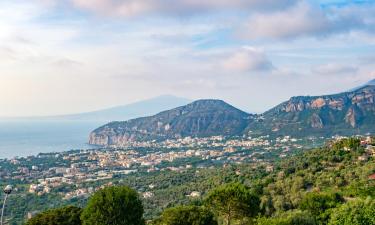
x=200 y=118
x=335 y=113
x=369 y=83
x=351 y=112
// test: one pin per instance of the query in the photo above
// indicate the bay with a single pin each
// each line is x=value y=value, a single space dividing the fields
x=25 y=138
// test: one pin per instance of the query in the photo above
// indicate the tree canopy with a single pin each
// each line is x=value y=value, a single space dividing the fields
x=233 y=201
x=187 y=215
x=118 y=205
x=288 y=218
x=320 y=205
x=69 y=215
x=357 y=212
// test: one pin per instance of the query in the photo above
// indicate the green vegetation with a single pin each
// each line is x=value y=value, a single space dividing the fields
x=288 y=218
x=325 y=186
x=186 y=215
x=233 y=202
x=114 y=205
x=69 y=215
x=355 y=212
x=320 y=205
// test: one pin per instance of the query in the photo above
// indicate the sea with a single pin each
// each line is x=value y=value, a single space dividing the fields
x=26 y=138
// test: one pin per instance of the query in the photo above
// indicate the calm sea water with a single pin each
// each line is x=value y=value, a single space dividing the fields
x=24 y=138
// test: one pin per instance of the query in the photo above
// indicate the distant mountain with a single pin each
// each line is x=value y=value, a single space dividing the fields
x=345 y=113
x=201 y=118
x=134 y=110
x=370 y=83
x=120 y=113
x=339 y=114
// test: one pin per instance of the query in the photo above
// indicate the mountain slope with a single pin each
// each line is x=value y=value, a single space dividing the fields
x=199 y=119
x=370 y=83
x=344 y=113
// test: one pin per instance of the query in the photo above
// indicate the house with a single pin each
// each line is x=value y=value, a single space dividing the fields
x=269 y=168
x=195 y=194
x=148 y=195
x=363 y=158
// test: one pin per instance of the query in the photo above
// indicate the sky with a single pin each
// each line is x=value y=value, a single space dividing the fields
x=69 y=56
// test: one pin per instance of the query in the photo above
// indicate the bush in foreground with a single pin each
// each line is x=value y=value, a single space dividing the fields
x=69 y=215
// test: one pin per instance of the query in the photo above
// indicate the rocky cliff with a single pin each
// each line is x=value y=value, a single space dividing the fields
x=345 y=113
x=199 y=119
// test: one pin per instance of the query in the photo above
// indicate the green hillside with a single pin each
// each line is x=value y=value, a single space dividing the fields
x=315 y=187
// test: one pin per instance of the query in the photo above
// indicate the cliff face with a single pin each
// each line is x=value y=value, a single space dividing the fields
x=202 y=118
x=330 y=114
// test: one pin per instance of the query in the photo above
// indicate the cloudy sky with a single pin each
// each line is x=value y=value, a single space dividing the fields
x=66 y=56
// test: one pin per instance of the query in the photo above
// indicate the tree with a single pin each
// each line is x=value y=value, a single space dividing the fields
x=69 y=215
x=289 y=218
x=114 y=205
x=233 y=201
x=187 y=215
x=321 y=205
x=358 y=212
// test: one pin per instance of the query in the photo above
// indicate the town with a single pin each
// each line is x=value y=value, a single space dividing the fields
x=46 y=172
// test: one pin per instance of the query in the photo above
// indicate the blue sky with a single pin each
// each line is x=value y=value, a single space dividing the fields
x=66 y=56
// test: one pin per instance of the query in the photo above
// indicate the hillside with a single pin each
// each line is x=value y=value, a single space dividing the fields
x=347 y=113
x=315 y=185
x=201 y=118
x=343 y=114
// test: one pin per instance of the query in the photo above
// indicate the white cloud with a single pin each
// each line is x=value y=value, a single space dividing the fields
x=248 y=59
x=67 y=61
x=335 y=69
x=175 y=7
x=303 y=19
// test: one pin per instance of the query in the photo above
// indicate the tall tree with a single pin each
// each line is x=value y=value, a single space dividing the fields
x=233 y=201
x=115 y=206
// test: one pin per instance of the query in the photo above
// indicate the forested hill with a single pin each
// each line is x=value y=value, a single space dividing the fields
x=331 y=185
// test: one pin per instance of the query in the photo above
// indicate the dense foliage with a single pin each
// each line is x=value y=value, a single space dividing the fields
x=114 y=205
x=330 y=185
x=355 y=212
x=233 y=201
x=69 y=215
x=288 y=218
x=320 y=205
x=186 y=215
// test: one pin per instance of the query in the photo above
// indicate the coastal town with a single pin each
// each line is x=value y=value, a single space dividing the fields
x=46 y=173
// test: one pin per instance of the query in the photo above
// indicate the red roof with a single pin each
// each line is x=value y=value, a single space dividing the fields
x=372 y=177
